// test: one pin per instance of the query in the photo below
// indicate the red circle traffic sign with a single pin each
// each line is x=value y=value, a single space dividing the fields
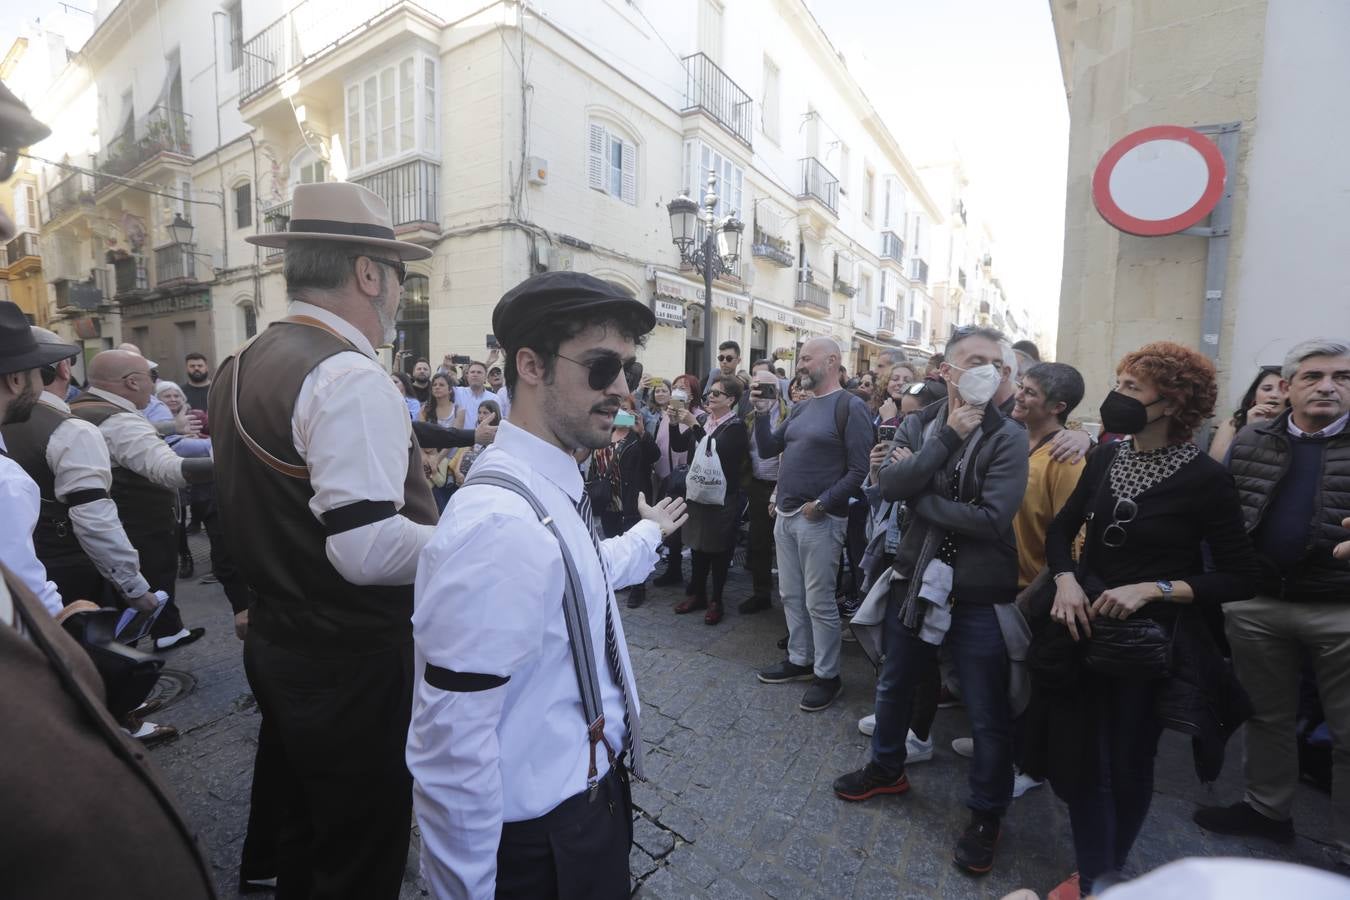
x=1159 y=180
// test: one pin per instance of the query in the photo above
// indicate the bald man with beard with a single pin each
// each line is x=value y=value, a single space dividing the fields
x=146 y=476
x=824 y=443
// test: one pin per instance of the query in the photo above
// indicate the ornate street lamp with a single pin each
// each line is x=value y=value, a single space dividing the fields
x=713 y=252
x=180 y=230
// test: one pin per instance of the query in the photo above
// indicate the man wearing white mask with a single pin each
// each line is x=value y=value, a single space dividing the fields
x=962 y=485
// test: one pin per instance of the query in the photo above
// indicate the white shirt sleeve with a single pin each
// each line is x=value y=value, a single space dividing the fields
x=19 y=508
x=631 y=556
x=352 y=428
x=78 y=456
x=480 y=608
x=136 y=445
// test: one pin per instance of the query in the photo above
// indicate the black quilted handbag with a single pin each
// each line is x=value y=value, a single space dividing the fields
x=1134 y=648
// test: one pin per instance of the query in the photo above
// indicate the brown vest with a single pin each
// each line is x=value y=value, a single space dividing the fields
x=85 y=812
x=53 y=538
x=147 y=510
x=302 y=602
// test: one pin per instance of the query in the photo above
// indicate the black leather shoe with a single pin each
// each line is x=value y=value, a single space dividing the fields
x=753 y=604
x=1240 y=819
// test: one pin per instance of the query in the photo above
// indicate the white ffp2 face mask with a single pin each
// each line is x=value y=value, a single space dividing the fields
x=978 y=385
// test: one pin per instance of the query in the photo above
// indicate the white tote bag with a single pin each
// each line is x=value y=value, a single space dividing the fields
x=705 y=482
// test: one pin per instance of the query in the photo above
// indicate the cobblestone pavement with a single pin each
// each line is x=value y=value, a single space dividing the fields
x=738 y=801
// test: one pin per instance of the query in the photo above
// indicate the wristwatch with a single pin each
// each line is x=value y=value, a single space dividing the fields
x=1166 y=588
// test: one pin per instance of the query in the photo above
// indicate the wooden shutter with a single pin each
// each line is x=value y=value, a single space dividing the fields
x=629 y=175
x=595 y=164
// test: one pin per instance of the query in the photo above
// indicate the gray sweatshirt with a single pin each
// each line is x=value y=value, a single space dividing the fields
x=818 y=462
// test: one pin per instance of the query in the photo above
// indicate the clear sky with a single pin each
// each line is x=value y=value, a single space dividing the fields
x=981 y=77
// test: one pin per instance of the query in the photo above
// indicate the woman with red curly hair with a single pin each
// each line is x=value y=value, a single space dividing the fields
x=1126 y=651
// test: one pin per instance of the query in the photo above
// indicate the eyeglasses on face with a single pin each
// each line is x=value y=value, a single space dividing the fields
x=727 y=358
x=1114 y=535
x=400 y=269
x=604 y=369
x=709 y=395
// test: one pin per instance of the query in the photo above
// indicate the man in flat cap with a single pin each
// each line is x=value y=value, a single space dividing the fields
x=325 y=508
x=525 y=719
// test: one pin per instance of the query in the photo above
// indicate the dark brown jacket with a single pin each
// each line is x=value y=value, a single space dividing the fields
x=84 y=812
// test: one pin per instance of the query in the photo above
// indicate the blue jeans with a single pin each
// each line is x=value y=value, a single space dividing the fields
x=1106 y=818
x=975 y=643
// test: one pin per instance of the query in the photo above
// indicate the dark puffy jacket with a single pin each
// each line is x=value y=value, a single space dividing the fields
x=991 y=492
x=1259 y=461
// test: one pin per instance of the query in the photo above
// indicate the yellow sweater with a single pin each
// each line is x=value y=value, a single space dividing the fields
x=1049 y=485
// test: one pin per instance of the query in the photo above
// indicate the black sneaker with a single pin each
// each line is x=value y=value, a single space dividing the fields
x=822 y=693
x=975 y=849
x=786 y=671
x=1241 y=819
x=868 y=782
x=637 y=595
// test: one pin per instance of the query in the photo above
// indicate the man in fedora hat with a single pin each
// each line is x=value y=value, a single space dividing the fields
x=325 y=508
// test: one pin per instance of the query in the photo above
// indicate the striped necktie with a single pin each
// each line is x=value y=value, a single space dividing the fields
x=632 y=725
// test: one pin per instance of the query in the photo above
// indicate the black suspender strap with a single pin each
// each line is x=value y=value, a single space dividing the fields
x=574 y=612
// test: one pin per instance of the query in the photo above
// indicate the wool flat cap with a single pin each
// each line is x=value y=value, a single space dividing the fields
x=552 y=294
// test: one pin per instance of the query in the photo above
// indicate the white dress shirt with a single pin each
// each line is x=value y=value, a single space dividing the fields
x=134 y=444
x=488 y=600
x=19 y=507
x=78 y=457
x=1331 y=430
x=351 y=427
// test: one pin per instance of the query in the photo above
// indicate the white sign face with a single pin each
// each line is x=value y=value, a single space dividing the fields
x=1159 y=180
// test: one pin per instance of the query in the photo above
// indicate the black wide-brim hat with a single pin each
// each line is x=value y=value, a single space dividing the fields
x=342 y=212
x=19 y=349
x=554 y=294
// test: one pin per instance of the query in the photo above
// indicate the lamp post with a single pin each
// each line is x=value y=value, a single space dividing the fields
x=180 y=232
x=712 y=253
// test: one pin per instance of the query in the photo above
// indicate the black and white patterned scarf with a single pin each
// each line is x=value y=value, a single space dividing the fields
x=1135 y=471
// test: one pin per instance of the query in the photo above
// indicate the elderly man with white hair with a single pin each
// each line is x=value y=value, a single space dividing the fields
x=824 y=445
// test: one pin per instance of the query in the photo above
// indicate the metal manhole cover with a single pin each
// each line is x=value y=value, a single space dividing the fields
x=172 y=686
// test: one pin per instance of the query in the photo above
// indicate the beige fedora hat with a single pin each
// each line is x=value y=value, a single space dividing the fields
x=340 y=211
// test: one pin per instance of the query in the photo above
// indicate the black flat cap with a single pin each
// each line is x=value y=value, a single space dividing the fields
x=562 y=293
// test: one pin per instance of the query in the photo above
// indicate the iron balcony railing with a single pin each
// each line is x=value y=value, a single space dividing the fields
x=410 y=189
x=311 y=28
x=24 y=244
x=918 y=271
x=709 y=90
x=72 y=191
x=892 y=247
x=887 y=322
x=276 y=218
x=163 y=130
x=774 y=249
x=72 y=294
x=812 y=296
x=818 y=183
x=130 y=275
x=175 y=262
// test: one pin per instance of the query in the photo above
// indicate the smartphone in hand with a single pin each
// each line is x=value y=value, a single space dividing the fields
x=886 y=434
x=763 y=391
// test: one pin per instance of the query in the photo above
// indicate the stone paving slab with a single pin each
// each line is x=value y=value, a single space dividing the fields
x=738 y=801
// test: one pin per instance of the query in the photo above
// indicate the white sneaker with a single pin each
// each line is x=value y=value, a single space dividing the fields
x=1023 y=782
x=917 y=751
x=868 y=724
x=964 y=747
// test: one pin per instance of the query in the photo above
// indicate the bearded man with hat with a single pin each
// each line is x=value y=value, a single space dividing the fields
x=325 y=508
x=526 y=718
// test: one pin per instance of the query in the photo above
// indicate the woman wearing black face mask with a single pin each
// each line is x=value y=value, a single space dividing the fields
x=1099 y=704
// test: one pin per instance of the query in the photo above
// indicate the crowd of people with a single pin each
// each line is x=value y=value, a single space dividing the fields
x=424 y=570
